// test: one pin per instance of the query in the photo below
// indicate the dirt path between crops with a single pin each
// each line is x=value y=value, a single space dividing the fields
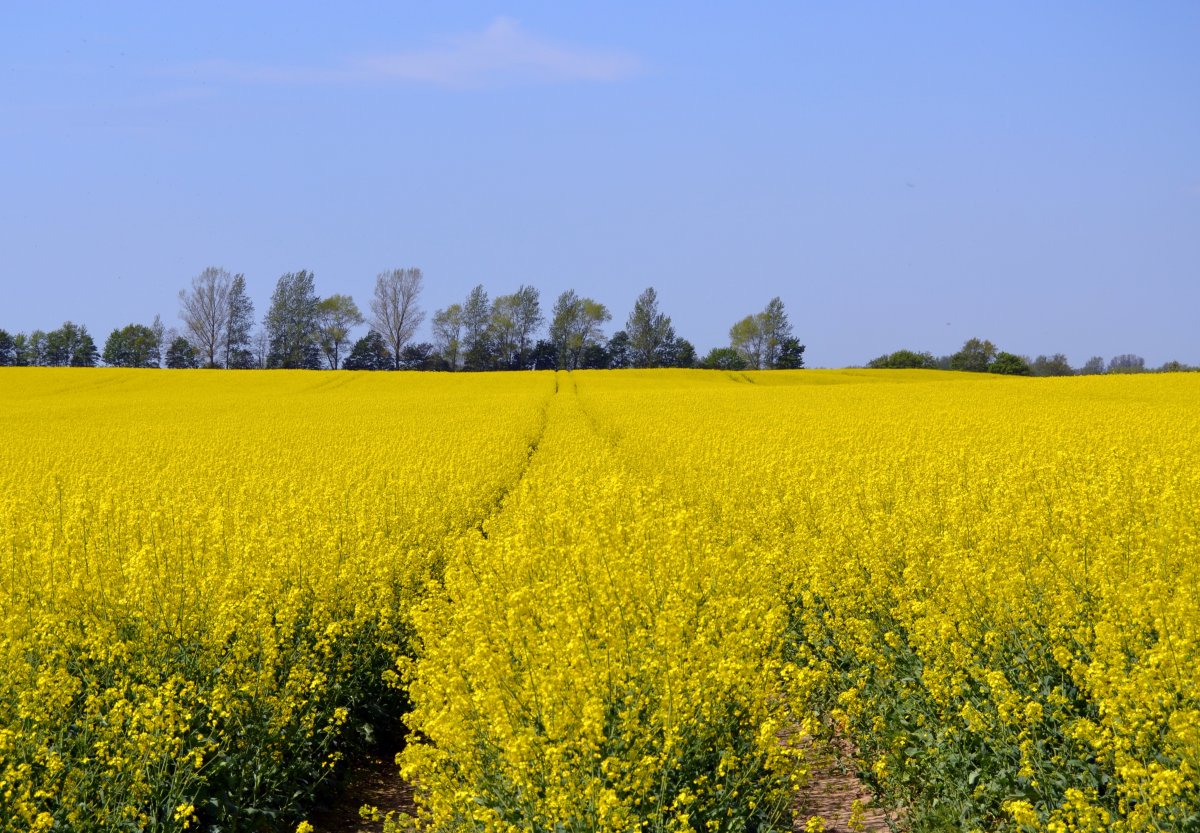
x=373 y=780
x=831 y=793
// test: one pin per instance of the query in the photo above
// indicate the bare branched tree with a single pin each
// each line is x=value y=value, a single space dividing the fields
x=205 y=312
x=394 y=311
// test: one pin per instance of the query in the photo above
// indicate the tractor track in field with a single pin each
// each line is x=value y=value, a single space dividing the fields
x=374 y=780
x=832 y=790
x=497 y=504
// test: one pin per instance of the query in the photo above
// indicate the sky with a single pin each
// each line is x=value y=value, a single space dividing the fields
x=902 y=175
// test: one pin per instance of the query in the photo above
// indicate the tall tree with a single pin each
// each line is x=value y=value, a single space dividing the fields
x=679 y=352
x=763 y=338
x=204 y=311
x=476 y=323
x=335 y=316
x=650 y=332
x=750 y=341
x=904 y=359
x=260 y=347
x=70 y=344
x=544 y=355
x=527 y=322
x=776 y=329
x=8 y=349
x=619 y=353
x=503 y=328
x=594 y=357
x=395 y=313
x=447 y=334
x=30 y=350
x=576 y=325
x=1127 y=363
x=160 y=339
x=370 y=353
x=515 y=321
x=419 y=357
x=238 y=349
x=724 y=358
x=974 y=357
x=1093 y=366
x=1009 y=364
x=568 y=309
x=181 y=354
x=134 y=345
x=291 y=323
x=1056 y=365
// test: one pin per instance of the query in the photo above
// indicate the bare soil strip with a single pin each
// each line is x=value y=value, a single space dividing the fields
x=374 y=780
x=830 y=794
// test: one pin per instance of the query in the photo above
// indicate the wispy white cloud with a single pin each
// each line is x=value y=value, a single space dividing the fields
x=503 y=54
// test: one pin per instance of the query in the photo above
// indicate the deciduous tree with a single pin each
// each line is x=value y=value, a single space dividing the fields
x=30 y=350
x=750 y=341
x=974 y=357
x=238 y=345
x=773 y=321
x=791 y=354
x=72 y=345
x=160 y=339
x=476 y=330
x=181 y=354
x=370 y=353
x=502 y=330
x=8 y=349
x=575 y=326
x=760 y=338
x=724 y=358
x=204 y=311
x=1009 y=364
x=618 y=351
x=544 y=355
x=336 y=315
x=291 y=323
x=902 y=359
x=1127 y=363
x=1056 y=365
x=447 y=335
x=515 y=320
x=134 y=345
x=395 y=312
x=650 y=332
x=528 y=321
x=419 y=357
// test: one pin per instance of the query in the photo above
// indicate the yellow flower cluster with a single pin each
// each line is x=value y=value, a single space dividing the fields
x=603 y=658
x=988 y=584
x=614 y=600
x=207 y=577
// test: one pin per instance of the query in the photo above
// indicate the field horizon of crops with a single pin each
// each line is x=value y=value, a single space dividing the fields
x=599 y=599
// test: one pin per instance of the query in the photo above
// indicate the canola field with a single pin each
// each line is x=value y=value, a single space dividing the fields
x=599 y=601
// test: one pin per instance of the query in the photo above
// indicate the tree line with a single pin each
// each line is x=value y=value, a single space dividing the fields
x=302 y=330
x=982 y=356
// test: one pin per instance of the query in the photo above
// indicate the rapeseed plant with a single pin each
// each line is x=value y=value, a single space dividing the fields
x=601 y=601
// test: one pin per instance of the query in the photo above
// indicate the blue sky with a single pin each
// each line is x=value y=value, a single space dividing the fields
x=902 y=175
